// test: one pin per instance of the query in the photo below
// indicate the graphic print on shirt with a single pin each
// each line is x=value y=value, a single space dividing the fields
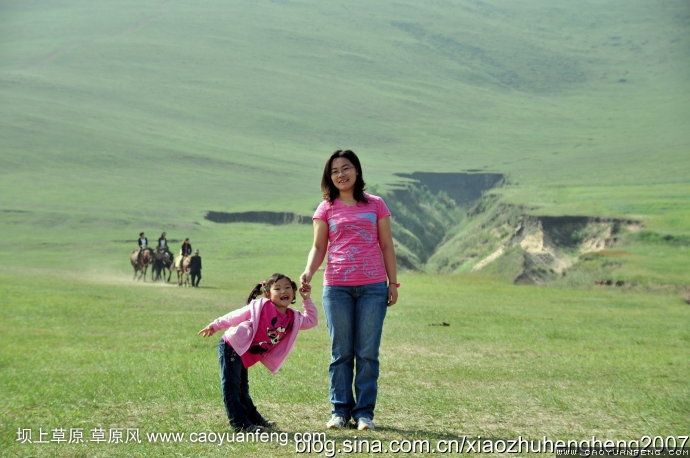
x=368 y=215
x=273 y=336
x=363 y=228
x=348 y=252
x=361 y=231
x=369 y=270
x=340 y=262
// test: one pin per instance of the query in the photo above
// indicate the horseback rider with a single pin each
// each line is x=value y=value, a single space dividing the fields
x=163 y=244
x=143 y=245
x=186 y=248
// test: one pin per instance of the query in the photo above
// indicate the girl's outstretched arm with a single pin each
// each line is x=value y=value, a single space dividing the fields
x=231 y=319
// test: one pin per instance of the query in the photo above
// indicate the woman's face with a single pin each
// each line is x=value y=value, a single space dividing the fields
x=343 y=174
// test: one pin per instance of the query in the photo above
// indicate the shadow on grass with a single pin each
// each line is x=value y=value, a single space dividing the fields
x=346 y=433
x=435 y=435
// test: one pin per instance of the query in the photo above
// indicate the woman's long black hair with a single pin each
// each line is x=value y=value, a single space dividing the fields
x=330 y=192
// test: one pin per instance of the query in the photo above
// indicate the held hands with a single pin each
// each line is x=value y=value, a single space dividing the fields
x=305 y=291
x=304 y=286
x=207 y=331
x=305 y=278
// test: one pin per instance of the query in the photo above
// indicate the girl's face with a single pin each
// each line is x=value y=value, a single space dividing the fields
x=343 y=174
x=281 y=293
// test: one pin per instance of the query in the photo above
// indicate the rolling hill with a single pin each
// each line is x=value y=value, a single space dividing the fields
x=521 y=142
x=149 y=115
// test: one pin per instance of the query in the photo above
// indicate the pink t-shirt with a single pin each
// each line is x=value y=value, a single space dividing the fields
x=272 y=327
x=354 y=255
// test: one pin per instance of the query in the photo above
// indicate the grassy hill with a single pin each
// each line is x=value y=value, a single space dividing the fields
x=118 y=117
x=583 y=102
x=159 y=112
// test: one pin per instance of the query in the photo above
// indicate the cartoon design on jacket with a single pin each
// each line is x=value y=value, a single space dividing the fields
x=274 y=334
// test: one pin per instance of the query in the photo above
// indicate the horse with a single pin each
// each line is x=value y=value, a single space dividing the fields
x=182 y=269
x=140 y=264
x=162 y=261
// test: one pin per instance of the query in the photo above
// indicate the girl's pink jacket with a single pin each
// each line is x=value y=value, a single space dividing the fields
x=241 y=330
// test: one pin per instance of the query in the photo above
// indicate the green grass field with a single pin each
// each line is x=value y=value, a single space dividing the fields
x=118 y=117
x=94 y=350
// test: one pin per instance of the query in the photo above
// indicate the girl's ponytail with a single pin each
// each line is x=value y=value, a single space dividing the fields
x=257 y=291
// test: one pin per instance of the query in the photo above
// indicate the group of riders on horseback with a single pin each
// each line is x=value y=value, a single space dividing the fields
x=161 y=259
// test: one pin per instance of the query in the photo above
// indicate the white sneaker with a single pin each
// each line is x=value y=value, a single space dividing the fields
x=336 y=422
x=365 y=423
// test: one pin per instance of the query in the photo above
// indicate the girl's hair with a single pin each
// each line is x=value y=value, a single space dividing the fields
x=330 y=192
x=265 y=287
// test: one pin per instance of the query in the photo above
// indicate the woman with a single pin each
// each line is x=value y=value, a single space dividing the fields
x=360 y=281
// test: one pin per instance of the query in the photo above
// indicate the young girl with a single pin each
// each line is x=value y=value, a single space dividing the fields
x=263 y=331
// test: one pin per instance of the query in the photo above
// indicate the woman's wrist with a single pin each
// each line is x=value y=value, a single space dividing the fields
x=394 y=283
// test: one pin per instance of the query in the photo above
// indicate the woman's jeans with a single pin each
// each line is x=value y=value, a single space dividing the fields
x=234 y=382
x=355 y=317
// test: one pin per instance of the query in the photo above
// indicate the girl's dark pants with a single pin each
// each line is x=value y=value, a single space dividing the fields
x=234 y=383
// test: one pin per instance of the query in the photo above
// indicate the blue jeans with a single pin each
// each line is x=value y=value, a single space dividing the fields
x=355 y=317
x=234 y=384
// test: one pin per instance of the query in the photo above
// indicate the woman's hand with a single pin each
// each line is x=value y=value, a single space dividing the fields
x=207 y=331
x=305 y=278
x=392 y=294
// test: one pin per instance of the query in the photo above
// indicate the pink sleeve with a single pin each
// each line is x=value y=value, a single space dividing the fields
x=231 y=319
x=322 y=211
x=309 y=315
x=382 y=209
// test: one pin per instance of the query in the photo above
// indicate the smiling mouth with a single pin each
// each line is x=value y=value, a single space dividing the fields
x=285 y=298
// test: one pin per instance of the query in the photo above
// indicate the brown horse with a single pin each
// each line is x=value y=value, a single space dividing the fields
x=140 y=264
x=182 y=269
x=162 y=261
